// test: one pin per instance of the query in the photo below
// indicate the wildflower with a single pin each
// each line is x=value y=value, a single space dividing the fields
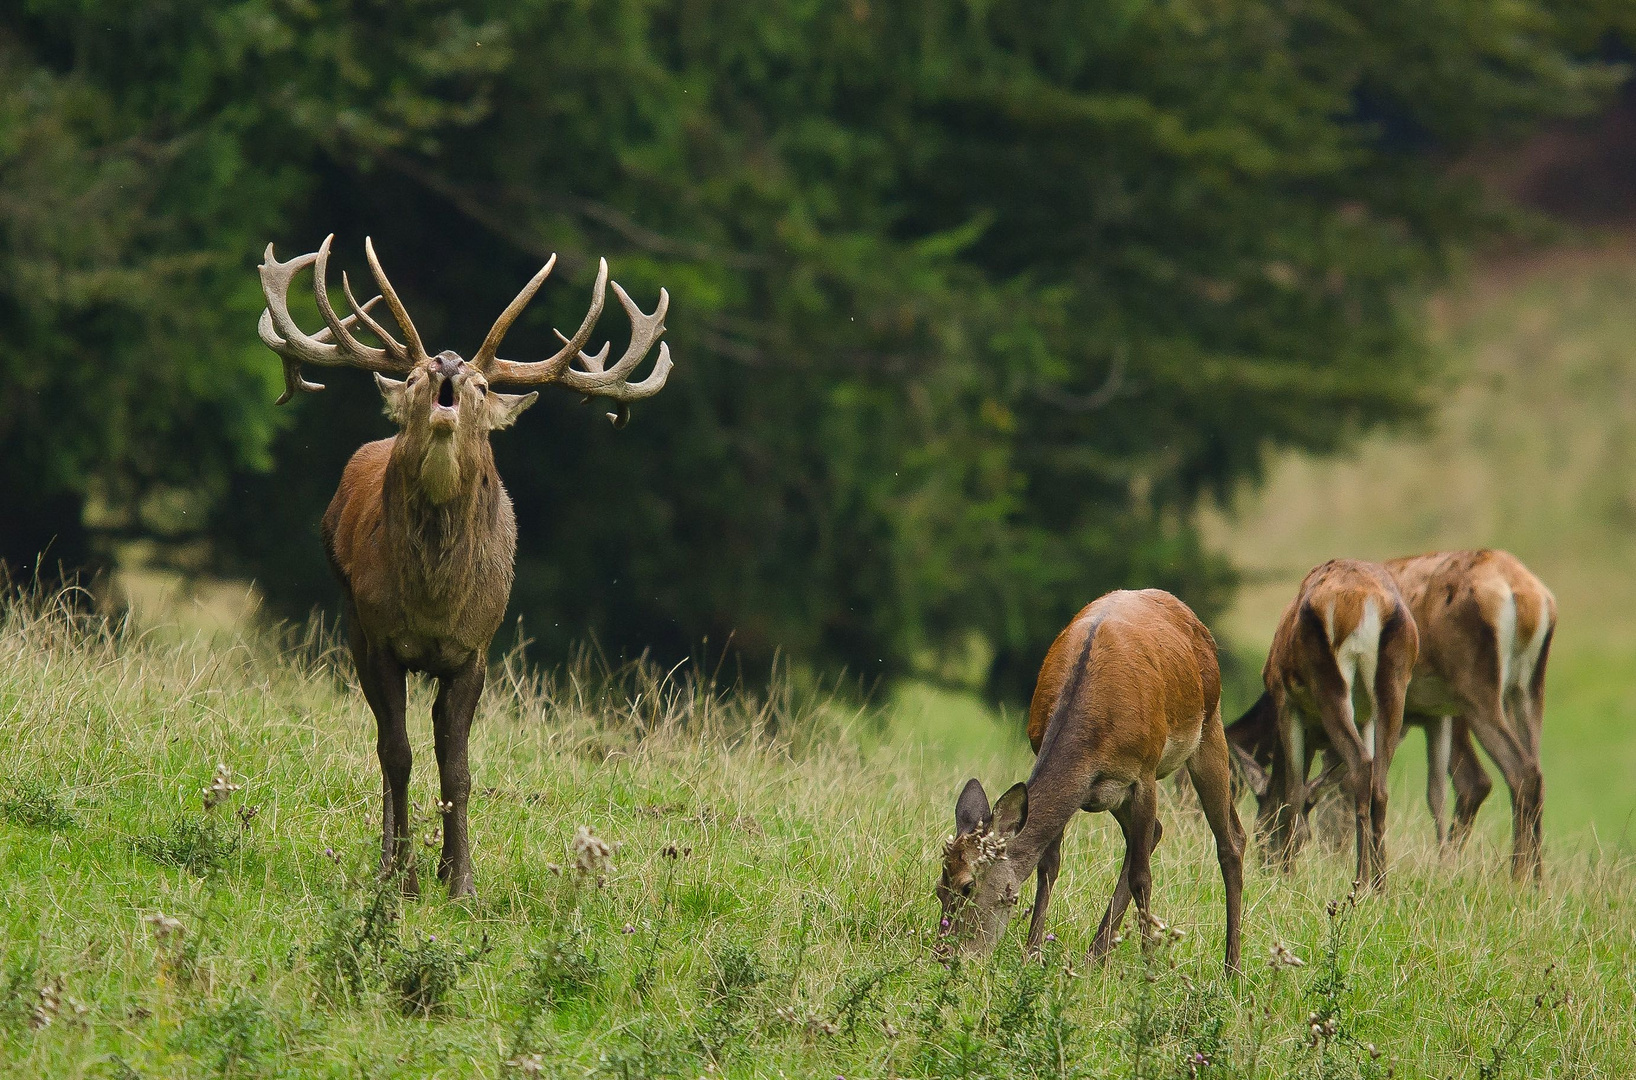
x=1050 y=937
x=944 y=924
x=220 y=788
x=628 y=929
x=247 y=814
x=1281 y=957
x=50 y=1002
x=592 y=855
x=165 y=928
x=527 y=1064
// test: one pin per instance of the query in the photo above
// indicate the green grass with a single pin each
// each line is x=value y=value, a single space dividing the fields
x=768 y=912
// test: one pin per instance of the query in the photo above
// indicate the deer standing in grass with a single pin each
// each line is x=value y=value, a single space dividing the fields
x=1485 y=624
x=1129 y=692
x=421 y=532
x=1336 y=676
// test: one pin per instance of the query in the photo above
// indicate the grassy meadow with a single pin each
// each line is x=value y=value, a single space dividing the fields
x=765 y=908
x=763 y=904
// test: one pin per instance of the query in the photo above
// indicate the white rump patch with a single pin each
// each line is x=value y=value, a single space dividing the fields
x=1357 y=657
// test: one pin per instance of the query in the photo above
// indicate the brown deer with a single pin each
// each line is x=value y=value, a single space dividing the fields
x=1336 y=676
x=421 y=532
x=1129 y=692
x=1485 y=624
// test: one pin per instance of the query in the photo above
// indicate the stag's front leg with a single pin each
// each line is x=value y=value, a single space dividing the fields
x=452 y=714
x=382 y=679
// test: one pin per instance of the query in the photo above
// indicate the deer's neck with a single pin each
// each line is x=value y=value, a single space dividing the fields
x=443 y=510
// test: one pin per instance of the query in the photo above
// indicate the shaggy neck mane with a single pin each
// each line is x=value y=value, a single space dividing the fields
x=441 y=499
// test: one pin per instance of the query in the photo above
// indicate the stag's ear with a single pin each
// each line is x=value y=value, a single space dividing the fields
x=393 y=391
x=971 y=812
x=1012 y=810
x=505 y=408
x=1254 y=774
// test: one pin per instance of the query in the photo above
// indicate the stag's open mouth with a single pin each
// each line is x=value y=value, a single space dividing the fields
x=445 y=407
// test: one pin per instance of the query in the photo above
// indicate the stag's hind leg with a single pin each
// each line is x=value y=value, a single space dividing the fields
x=1212 y=779
x=452 y=713
x=383 y=681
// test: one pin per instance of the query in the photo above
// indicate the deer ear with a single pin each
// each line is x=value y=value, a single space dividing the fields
x=971 y=812
x=1254 y=774
x=1012 y=810
x=392 y=390
x=505 y=408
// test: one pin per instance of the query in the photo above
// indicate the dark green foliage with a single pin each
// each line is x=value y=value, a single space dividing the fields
x=236 y=1039
x=200 y=845
x=735 y=973
x=423 y=977
x=32 y=805
x=359 y=934
x=566 y=969
x=970 y=302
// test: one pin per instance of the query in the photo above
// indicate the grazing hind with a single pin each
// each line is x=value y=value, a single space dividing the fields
x=1129 y=692
x=1335 y=677
x=421 y=532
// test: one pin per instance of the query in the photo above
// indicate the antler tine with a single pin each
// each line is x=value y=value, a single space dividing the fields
x=389 y=359
x=645 y=330
x=416 y=351
x=332 y=346
x=535 y=373
x=393 y=345
x=497 y=332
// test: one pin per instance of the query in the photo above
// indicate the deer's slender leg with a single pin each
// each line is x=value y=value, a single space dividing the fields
x=1050 y=864
x=452 y=714
x=1102 y=944
x=1439 y=747
x=1335 y=708
x=1290 y=772
x=1395 y=659
x=382 y=679
x=1144 y=821
x=1522 y=773
x=1211 y=772
x=1471 y=783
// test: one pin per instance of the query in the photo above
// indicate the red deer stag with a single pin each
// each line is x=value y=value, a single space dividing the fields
x=1485 y=625
x=421 y=532
x=1129 y=692
x=1336 y=677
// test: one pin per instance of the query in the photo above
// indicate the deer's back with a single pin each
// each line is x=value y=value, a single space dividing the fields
x=1131 y=680
x=1350 y=603
x=1477 y=609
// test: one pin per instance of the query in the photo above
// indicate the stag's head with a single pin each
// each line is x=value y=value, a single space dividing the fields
x=444 y=405
x=980 y=884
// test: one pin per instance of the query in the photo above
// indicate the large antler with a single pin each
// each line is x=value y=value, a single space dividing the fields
x=595 y=379
x=334 y=345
